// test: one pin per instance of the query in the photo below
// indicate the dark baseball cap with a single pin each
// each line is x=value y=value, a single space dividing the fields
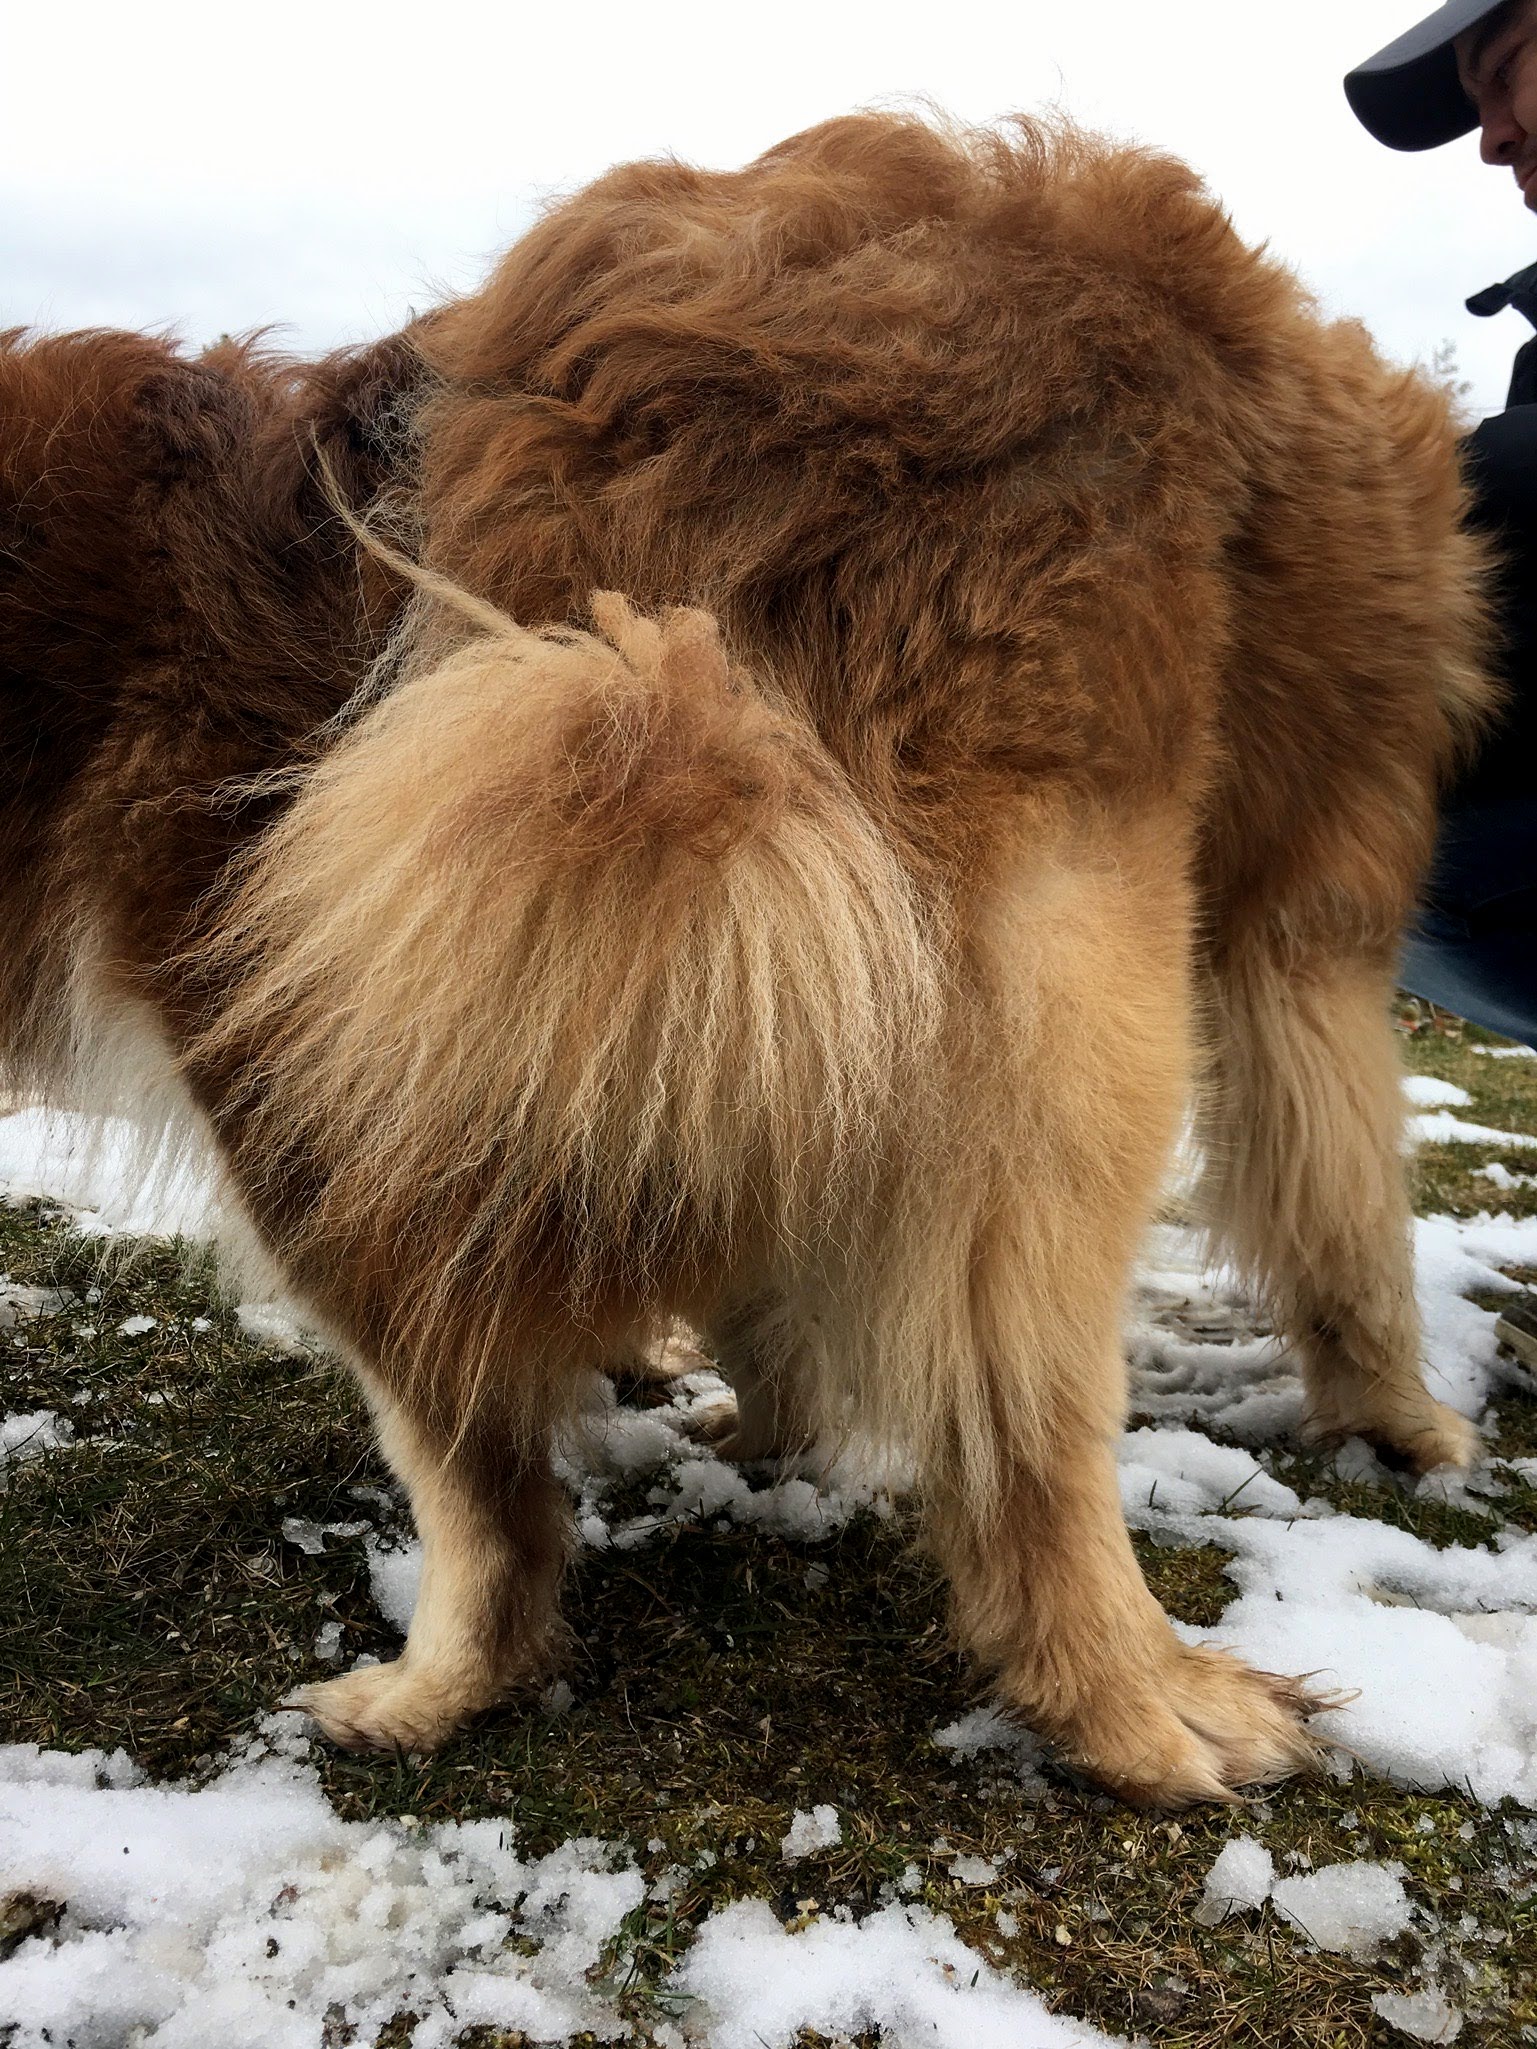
x=1409 y=95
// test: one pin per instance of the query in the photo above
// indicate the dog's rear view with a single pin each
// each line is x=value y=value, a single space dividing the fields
x=1039 y=639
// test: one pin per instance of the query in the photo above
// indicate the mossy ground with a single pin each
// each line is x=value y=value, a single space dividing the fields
x=721 y=1678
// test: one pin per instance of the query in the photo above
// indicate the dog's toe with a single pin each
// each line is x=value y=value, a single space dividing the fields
x=1254 y=1723
x=1215 y=1727
x=1443 y=1439
x=1415 y=1437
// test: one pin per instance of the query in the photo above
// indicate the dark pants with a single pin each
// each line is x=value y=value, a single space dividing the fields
x=1474 y=947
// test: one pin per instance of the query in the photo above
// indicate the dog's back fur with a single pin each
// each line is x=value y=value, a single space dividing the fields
x=1037 y=627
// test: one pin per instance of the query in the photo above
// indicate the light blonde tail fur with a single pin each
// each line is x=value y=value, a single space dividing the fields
x=583 y=941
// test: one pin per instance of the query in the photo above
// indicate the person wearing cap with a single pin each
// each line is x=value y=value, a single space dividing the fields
x=1472 y=65
x=1461 y=68
x=1467 y=66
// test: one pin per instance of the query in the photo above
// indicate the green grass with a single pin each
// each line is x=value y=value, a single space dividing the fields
x=1504 y=1096
x=152 y=1602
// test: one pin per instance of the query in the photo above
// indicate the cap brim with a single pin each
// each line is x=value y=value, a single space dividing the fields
x=1409 y=95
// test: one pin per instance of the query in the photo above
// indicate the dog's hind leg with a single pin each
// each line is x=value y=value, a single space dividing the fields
x=492 y=1522
x=766 y=1351
x=1050 y=1596
x=1085 y=1078
x=1305 y=1188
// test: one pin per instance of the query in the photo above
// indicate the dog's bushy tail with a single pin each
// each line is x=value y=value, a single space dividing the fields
x=583 y=943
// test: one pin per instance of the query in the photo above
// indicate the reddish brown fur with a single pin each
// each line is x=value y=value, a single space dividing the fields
x=1079 y=629
x=177 y=606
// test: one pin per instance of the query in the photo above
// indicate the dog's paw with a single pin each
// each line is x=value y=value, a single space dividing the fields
x=385 y=1707
x=748 y=1435
x=1443 y=1439
x=746 y=1443
x=1413 y=1437
x=1214 y=1726
x=712 y=1425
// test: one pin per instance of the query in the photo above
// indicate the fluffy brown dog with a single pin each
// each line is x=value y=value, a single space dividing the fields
x=1077 y=629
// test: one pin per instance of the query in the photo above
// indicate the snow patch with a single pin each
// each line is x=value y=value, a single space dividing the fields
x=114 y=1174
x=19 y=1303
x=989 y=1729
x=1241 y=1878
x=1424 y=2016
x=1371 y=1608
x=902 y=1971
x=247 y=1912
x=27 y=1435
x=1503 y=1179
x=1440 y=1127
x=1426 y=1092
x=1352 y=1909
x=1182 y=1471
x=819 y=1830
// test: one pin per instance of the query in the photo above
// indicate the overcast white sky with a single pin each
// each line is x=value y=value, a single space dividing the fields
x=327 y=166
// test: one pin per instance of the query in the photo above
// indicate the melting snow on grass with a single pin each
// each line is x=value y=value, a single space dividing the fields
x=1350 y=1908
x=245 y=1911
x=28 y=1435
x=901 y=1969
x=820 y=1829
